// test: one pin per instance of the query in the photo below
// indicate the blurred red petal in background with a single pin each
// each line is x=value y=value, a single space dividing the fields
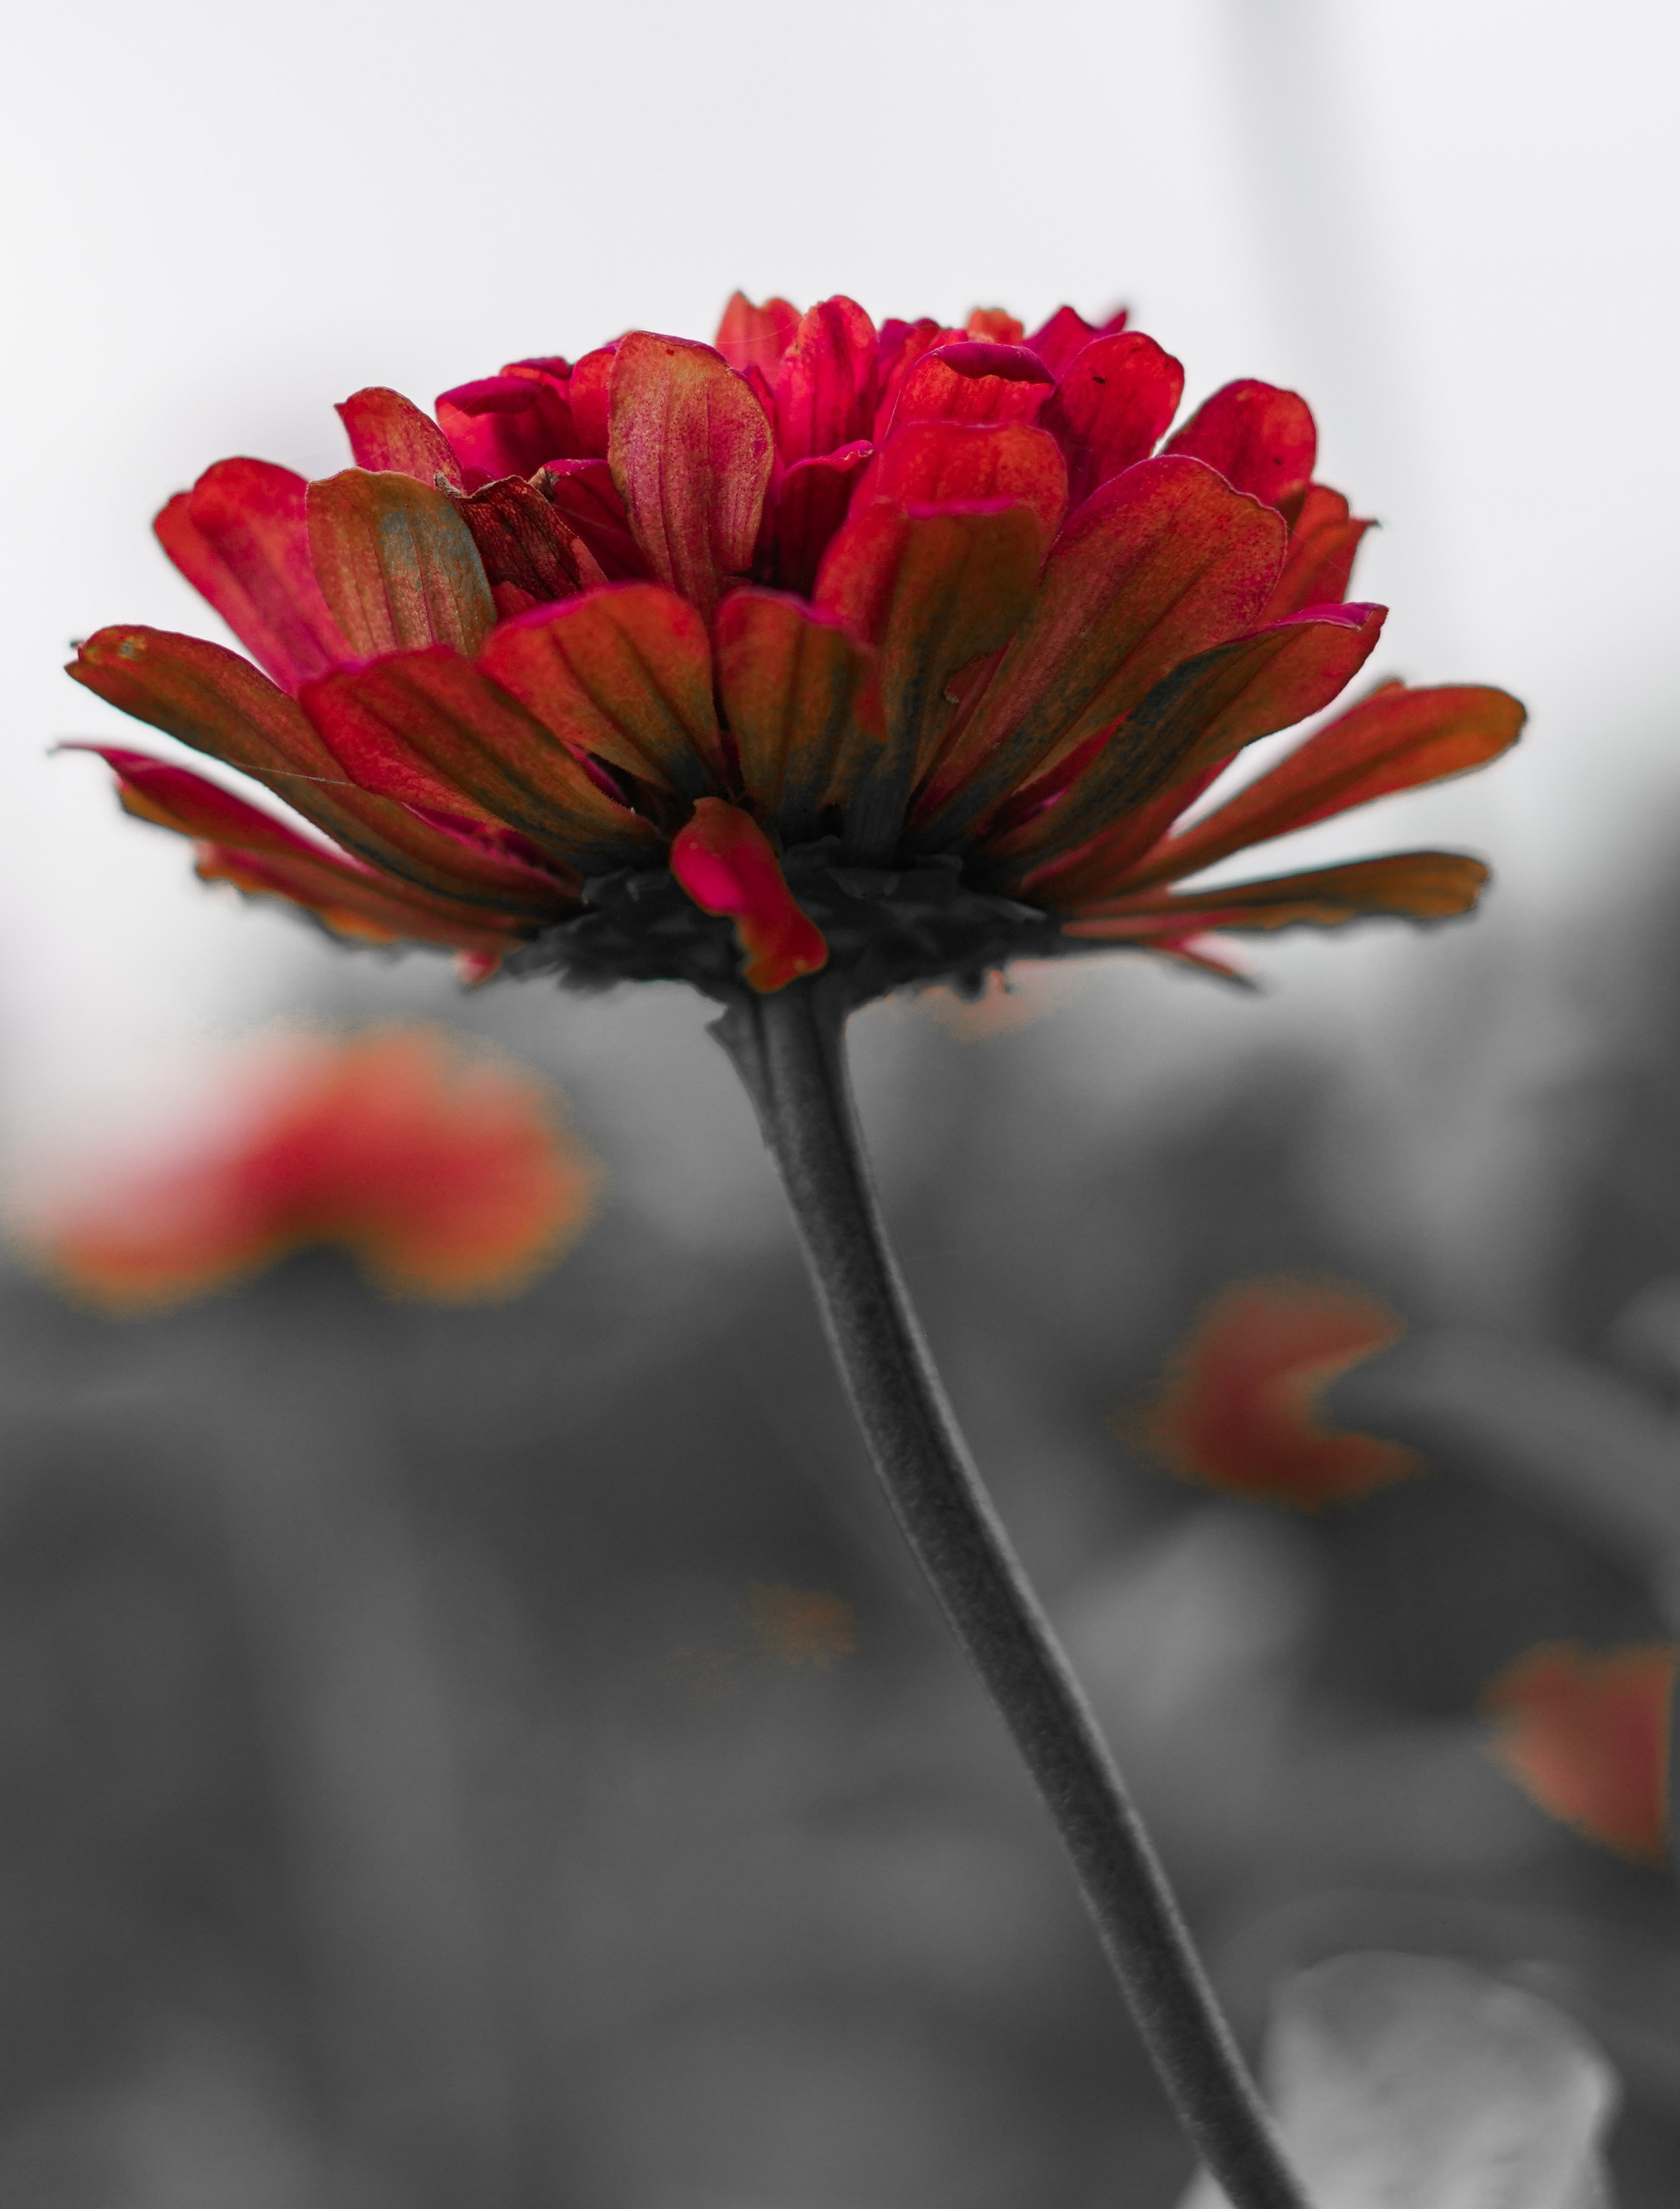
x=1238 y=1404
x=443 y=1175
x=1587 y=1738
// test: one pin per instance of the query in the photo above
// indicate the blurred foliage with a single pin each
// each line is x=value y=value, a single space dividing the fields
x=504 y=1756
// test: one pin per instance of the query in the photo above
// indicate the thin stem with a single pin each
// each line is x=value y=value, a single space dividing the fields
x=788 y=1051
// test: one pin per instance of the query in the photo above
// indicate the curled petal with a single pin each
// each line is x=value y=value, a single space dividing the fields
x=902 y=345
x=397 y=564
x=240 y=537
x=725 y=863
x=973 y=382
x=507 y=425
x=624 y=674
x=755 y=337
x=1112 y=407
x=389 y=432
x=691 y=456
x=1261 y=439
x=1402 y=886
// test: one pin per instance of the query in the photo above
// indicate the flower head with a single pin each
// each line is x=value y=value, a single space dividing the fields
x=902 y=650
x=1587 y=1737
x=1238 y=1408
x=442 y=1178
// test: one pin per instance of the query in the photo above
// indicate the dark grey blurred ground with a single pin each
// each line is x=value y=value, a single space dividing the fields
x=402 y=1808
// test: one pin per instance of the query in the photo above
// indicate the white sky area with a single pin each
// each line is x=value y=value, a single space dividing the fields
x=1451 y=224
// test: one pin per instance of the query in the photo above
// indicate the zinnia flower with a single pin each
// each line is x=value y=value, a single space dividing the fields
x=443 y=1177
x=902 y=651
x=1238 y=1408
x=1588 y=1738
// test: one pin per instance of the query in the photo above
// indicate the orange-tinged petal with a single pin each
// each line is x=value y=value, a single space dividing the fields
x=1404 y=885
x=1112 y=407
x=1587 y=1737
x=1395 y=740
x=1239 y=1408
x=240 y=537
x=727 y=864
x=1161 y=562
x=995 y=326
x=443 y=1177
x=388 y=432
x=691 y=453
x=477 y=751
x=1201 y=714
x=623 y=673
x=932 y=589
x=755 y=337
x=956 y=464
x=397 y=564
x=797 y=693
x=1319 y=562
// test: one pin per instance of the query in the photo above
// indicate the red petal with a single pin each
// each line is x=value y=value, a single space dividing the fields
x=507 y=425
x=825 y=385
x=389 y=431
x=397 y=564
x=1395 y=740
x=1261 y=439
x=725 y=863
x=932 y=590
x=582 y=493
x=588 y=394
x=1067 y=335
x=1588 y=1738
x=1404 y=885
x=955 y=463
x=240 y=537
x=1112 y=407
x=805 y=507
x=755 y=337
x=1197 y=718
x=1158 y=565
x=623 y=673
x=797 y=696
x=1322 y=546
x=902 y=345
x=523 y=542
x=691 y=458
x=971 y=382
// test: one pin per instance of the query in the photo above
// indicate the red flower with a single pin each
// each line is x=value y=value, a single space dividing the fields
x=1587 y=1737
x=1239 y=1406
x=444 y=1179
x=931 y=616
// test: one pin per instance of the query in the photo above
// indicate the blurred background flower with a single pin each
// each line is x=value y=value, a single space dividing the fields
x=1587 y=1737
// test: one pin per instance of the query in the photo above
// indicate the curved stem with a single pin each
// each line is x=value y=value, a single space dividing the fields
x=788 y=1051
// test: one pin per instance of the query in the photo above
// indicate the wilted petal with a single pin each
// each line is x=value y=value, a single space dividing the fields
x=691 y=455
x=1160 y=564
x=240 y=537
x=526 y=544
x=1319 y=562
x=397 y=564
x=389 y=432
x=1417 y=2082
x=625 y=674
x=1202 y=713
x=825 y=385
x=1396 y=739
x=973 y=382
x=507 y=425
x=1112 y=407
x=1239 y=1408
x=1588 y=1738
x=755 y=337
x=1261 y=439
x=799 y=702
x=481 y=752
x=956 y=464
x=727 y=865
x=1402 y=886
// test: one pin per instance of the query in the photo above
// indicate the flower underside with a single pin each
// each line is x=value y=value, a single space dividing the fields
x=901 y=651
